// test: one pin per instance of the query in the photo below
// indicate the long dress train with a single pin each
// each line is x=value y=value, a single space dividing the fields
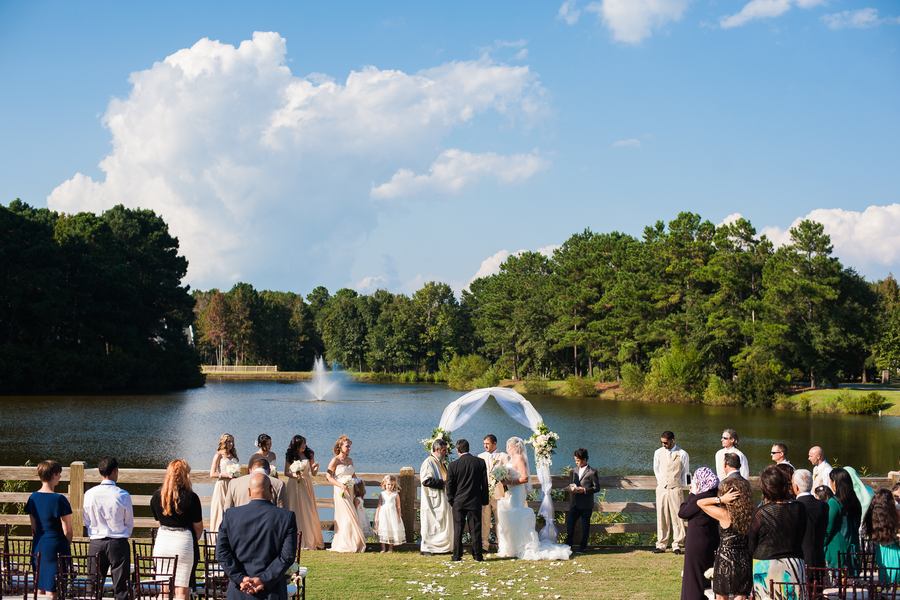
x=516 y=535
x=348 y=536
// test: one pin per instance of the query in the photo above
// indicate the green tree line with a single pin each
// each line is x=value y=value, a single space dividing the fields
x=688 y=310
x=92 y=302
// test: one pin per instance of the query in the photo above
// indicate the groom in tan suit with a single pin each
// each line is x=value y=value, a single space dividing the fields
x=493 y=459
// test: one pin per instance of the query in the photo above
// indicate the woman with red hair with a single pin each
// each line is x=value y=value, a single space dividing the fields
x=177 y=509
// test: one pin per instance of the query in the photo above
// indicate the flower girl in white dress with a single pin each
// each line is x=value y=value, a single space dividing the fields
x=387 y=516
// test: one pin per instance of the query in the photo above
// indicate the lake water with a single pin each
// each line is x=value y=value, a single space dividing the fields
x=385 y=422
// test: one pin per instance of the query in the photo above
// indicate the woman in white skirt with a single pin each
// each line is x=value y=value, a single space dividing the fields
x=180 y=516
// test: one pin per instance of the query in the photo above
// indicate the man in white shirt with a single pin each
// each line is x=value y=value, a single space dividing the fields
x=109 y=518
x=821 y=468
x=492 y=458
x=671 y=465
x=730 y=442
x=779 y=454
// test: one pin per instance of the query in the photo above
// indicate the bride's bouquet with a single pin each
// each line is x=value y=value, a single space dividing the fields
x=348 y=481
x=497 y=475
x=440 y=434
x=298 y=466
x=544 y=443
x=233 y=470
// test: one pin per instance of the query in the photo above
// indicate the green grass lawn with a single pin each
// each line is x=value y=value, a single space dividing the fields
x=825 y=400
x=600 y=574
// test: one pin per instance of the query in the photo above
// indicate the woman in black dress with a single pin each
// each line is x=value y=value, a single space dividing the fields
x=733 y=508
x=177 y=509
x=702 y=535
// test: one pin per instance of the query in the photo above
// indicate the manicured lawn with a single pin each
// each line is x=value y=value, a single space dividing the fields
x=600 y=574
x=824 y=400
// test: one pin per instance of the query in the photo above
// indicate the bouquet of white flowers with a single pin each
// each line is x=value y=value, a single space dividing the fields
x=544 y=443
x=233 y=470
x=348 y=481
x=709 y=573
x=436 y=434
x=298 y=466
x=273 y=471
x=497 y=475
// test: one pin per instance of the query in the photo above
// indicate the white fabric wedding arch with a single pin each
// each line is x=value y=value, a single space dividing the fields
x=516 y=406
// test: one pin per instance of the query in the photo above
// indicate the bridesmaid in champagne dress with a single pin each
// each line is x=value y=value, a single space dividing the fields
x=299 y=493
x=348 y=536
x=264 y=443
x=225 y=455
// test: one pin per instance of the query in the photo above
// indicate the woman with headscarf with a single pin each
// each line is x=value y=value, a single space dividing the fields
x=702 y=535
x=863 y=492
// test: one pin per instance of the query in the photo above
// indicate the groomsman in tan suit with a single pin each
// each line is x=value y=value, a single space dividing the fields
x=238 y=493
x=493 y=459
x=671 y=465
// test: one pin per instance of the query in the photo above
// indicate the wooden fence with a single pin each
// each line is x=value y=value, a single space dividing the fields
x=78 y=476
x=239 y=369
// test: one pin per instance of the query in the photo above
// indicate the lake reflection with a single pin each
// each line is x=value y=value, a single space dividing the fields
x=385 y=422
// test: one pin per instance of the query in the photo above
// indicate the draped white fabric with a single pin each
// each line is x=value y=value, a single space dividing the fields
x=516 y=406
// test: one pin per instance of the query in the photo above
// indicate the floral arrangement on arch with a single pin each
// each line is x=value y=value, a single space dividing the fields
x=439 y=434
x=544 y=443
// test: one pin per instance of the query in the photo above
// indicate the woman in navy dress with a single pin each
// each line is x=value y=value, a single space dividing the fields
x=51 y=524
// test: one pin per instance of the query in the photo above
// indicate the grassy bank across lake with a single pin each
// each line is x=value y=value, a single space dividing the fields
x=601 y=574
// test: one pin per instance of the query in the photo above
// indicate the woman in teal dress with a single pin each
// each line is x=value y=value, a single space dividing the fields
x=844 y=512
x=51 y=524
x=883 y=524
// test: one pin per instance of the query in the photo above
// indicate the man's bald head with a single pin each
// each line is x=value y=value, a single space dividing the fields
x=260 y=486
x=816 y=455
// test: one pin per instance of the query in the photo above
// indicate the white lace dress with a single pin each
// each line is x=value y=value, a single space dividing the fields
x=516 y=535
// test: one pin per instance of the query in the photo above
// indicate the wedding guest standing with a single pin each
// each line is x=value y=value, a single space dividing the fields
x=730 y=443
x=437 y=524
x=883 y=525
x=300 y=466
x=702 y=535
x=844 y=514
x=583 y=486
x=225 y=455
x=671 y=465
x=816 y=519
x=776 y=535
x=238 y=493
x=51 y=525
x=177 y=509
x=109 y=518
x=264 y=443
x=348 y=536
x=779 y=454
x=492 y=458
x=732 y=508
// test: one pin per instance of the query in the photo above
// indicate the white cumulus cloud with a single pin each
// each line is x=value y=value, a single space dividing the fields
x=370 y=284
x=630 y=21
x=251 y=165
x=491 y=265
x=732 y=218
x=857 y=19
x=455 y=169
x=763 y=9
x=868 y=241
x=632 y=143
x=568 y=12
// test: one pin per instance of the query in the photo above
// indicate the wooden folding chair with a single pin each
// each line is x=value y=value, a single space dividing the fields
x=19 y=574
x=298 y=580
x=79 y=577
x=215 y=582
x=155 y=577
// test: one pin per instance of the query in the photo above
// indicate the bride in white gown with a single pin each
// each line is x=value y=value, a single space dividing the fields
x=516 y=535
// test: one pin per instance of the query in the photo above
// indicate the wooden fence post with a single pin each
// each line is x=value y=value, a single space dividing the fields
x=408 y=502
x=76 y=497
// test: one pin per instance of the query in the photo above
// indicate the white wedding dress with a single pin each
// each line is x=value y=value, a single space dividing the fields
x=516 y=535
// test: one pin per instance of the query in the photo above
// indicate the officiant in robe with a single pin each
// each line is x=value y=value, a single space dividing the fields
x=435 y=513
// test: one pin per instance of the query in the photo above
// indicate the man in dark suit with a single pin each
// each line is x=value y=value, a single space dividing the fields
x=467 y=492
x=257 y=544
x=583 y=487
x=732 y=466
x=817 y=519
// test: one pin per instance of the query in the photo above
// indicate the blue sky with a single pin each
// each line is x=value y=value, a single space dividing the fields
x=364 y=145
